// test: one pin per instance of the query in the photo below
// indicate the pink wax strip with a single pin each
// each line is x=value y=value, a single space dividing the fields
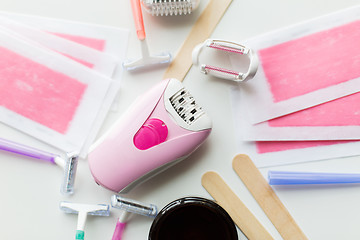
x=313 y=62
x=97 y=44
x=278 y=146
x=83 y=62
x=38 y=92
x=344 y=111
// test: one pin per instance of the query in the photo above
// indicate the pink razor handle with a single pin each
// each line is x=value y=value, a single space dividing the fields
x=160 y=129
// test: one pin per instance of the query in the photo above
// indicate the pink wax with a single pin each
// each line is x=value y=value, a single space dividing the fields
x=97 y=44
x=312 y=62
x=278 y=146
x=344 y=111
x=38 y=92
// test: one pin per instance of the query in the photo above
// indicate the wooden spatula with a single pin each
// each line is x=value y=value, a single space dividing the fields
x=267 y=198
x=237 y=210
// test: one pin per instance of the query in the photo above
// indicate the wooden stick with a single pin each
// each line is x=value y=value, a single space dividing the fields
x=228 y=200
x=201 y=31
x=266 y=198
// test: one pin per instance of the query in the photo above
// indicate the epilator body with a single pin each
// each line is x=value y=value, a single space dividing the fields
x=161 y=128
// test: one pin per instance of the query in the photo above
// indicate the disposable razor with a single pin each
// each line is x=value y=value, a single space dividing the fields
x=68 y=163
x=130 y=206
x=160 y=129
x=147 y=60
x=232 y=48
x=83 y=210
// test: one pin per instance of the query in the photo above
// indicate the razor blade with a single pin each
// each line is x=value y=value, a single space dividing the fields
x=232 y=48
x=130 y=205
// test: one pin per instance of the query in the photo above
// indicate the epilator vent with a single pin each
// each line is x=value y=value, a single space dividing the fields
x=185 y=105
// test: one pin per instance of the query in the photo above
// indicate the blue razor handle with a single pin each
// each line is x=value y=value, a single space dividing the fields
x=299 y=178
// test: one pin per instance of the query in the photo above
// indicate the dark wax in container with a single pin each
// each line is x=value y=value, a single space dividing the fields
x=193 y=218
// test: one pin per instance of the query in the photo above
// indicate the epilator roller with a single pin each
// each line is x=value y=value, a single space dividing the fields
x=160 y=129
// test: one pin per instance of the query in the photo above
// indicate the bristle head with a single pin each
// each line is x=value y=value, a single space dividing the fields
x=169 y=7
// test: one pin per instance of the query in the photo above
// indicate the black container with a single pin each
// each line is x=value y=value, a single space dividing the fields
x=193 y=218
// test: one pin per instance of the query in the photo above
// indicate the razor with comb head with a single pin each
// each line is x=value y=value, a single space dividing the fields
x=232 y=48
x=160 y=129
x=170 y=7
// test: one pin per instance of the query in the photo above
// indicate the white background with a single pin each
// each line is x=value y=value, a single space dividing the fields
x=30 y=189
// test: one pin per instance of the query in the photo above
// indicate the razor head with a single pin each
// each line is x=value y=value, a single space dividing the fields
x=232 y=48
x=70 y=169
x=170 y=7
x=147 y=62
x=90 y=209
x=133 y=206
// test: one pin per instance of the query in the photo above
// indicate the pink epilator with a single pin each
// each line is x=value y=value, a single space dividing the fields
x=160 y=129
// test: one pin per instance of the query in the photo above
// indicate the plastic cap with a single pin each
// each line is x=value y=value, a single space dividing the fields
x=80 y=235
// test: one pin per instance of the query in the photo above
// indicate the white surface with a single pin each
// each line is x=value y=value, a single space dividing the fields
x=29 y=204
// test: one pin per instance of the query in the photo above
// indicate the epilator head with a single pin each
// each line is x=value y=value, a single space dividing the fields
x=170 y=7
x=161 y=128
x=233 y=48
